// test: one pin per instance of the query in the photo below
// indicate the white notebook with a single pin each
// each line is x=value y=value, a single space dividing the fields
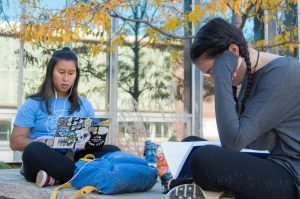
x=176 y=154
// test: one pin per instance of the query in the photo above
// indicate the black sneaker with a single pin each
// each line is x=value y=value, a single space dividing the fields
x=186 y=191
x=179 y=181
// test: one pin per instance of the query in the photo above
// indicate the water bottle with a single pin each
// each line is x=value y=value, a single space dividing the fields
x=163 y=170
x=150 y=153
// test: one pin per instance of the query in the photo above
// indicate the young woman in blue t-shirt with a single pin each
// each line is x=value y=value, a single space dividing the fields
x=36 y=121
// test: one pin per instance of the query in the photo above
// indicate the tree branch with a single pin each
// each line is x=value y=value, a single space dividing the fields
x=245 y=15
x=276 y=45
x=144 y=8
x=120 y=30
x=144 y=89
x=116 y=15
x=128 y=91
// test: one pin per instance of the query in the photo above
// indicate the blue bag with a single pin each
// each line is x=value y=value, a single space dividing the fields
x=116 y=172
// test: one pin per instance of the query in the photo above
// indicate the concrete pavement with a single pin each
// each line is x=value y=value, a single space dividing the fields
x=13 y=185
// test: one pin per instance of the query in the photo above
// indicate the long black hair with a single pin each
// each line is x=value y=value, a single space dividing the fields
x=214 y=38
x=47 y=88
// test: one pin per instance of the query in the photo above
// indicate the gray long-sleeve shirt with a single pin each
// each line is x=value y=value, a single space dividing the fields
x=271 y=119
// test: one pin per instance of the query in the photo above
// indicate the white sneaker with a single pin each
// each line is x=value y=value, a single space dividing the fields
x=193 y=191
x=44 y=180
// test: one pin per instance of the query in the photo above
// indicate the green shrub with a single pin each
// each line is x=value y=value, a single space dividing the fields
x=4 y=166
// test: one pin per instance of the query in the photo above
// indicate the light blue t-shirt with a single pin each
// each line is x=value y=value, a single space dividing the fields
x=33 y=114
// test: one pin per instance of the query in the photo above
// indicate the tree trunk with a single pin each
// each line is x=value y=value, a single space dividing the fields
x=136 y=51
x=187 y=61
x=236 y=20
x=290 y=23
x=258 y=27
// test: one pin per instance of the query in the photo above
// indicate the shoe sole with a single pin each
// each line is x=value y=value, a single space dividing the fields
x=186 y=191
x=40 y=179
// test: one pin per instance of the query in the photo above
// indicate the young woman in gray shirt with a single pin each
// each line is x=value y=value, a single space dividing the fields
x=265 y=115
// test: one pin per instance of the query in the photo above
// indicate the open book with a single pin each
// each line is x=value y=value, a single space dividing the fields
x=177 y=154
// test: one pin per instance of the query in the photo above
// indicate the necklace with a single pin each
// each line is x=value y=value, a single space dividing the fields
x=256 y=62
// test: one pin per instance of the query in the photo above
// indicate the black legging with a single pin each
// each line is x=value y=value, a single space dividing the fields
x=38 y=156
x=215 y=169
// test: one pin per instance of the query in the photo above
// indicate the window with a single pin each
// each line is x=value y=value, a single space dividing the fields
x=4 y=130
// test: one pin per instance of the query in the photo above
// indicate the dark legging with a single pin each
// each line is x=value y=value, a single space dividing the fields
x=38 y=156
x=216 y=169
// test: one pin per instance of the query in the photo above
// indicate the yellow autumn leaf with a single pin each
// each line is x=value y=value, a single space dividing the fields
x=84 y=29
x=223 y=9
x=237 y=6
x=151 y=33
x=66 y=37
x=291 y=48
x=118 y=41
x=295 y=31
x=115 y=3
x=172 y=24
x=126 y=5
x=192 y=18
x=260 y=43
x=158 y=3
x=212 y=7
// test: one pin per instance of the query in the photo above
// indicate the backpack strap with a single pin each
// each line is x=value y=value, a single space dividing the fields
x=55 y=191
x=83 y=191
x=88 y=158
